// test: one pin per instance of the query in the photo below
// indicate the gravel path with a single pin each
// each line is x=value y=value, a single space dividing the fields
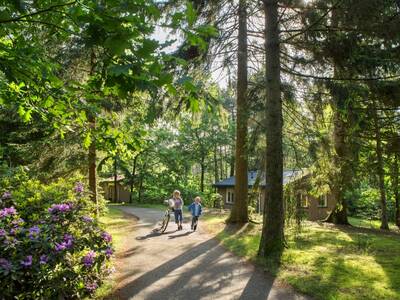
x=187 y=265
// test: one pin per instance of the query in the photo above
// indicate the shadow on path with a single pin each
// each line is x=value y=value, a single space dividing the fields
x=194 y=268
x=180 y=235
x=128 y=252
x=153 y=234
x=206 y=271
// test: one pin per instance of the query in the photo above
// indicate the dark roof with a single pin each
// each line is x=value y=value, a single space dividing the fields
x=288 y=176
x=111 y=179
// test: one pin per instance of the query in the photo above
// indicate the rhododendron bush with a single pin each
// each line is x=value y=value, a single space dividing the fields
x=57 y=250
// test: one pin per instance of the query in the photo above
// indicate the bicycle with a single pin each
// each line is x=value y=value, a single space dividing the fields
x=166 y=218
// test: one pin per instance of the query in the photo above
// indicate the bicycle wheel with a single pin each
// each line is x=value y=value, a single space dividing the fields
x=165 y=221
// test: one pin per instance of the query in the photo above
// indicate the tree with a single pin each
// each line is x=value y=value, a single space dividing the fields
x=380 y=167
x=272 y=236
x=239 y=212
x=103 y=53
x=395 y=187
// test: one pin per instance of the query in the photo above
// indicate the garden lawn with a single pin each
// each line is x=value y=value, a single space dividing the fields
x=143 y=205
x=374 y=224
x=322 y=260
x=116 y=223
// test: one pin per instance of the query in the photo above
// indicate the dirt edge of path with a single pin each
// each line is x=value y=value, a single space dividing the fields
x=120 y=253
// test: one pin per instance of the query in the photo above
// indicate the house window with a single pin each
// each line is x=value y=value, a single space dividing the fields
x=323 y=201
x=230 y=198
x=302 y=200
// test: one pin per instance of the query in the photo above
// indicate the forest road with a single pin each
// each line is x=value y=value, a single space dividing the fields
x=187 y=265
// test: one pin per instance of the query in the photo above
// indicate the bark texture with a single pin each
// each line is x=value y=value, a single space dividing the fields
x=380 y=170
x=239 y=212
x=272 y=237
x=202 y=172
x=216 y=171
x=341 y=161
x=132 y=181
x=395 y=184
x=341 y=156
x=115 y=180
x=92 y=148
x=92 y=157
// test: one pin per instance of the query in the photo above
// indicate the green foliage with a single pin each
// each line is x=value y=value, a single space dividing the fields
x=103 y=53
x=31 y=197
x=51 y=250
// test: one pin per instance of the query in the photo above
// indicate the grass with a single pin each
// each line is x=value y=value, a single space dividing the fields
x=143 y=205
x=324 y=261
x=117 y=225
x=374 y=224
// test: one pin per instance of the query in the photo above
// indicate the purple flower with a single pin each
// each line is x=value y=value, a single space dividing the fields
x=6 y=195
x=68 y=240
x=34 y=232
x=3 y=233
x=43 y=259
x=109 y=252
x=59 y=246
x=5 y=264
x=109 y=271
x=14 y=231
x=60 y=208
x=67 y=243
x=91 y=286
x=17 y=222
x=87 y=219
x=10 y=241
x=78 y=188
x=88 y=259
x=5 y=212
x=27 y=262
x=106 y=236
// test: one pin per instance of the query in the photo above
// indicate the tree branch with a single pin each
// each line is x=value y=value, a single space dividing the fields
x=37 y=12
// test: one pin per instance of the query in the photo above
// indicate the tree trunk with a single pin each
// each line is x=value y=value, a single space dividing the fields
x=341 y=177
x=232 y=163
x=216 y=171
x=380 y=170
x=221 y=163
x=92 y=148
x=132 y=181
x=140 y=189
x=115 y=180
x=395 y=183
x=239 y=212
x=272 y=237
x=203 y=167
x=92 y=162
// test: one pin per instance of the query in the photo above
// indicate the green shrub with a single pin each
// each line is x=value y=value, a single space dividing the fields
x=51 y=245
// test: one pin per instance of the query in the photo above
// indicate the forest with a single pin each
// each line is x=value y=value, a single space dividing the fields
x=158 y=96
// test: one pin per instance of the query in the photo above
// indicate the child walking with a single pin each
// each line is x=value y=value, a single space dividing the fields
x=195 y=209
x=178 y=204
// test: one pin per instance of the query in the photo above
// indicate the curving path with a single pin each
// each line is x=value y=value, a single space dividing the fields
x=187 y=265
